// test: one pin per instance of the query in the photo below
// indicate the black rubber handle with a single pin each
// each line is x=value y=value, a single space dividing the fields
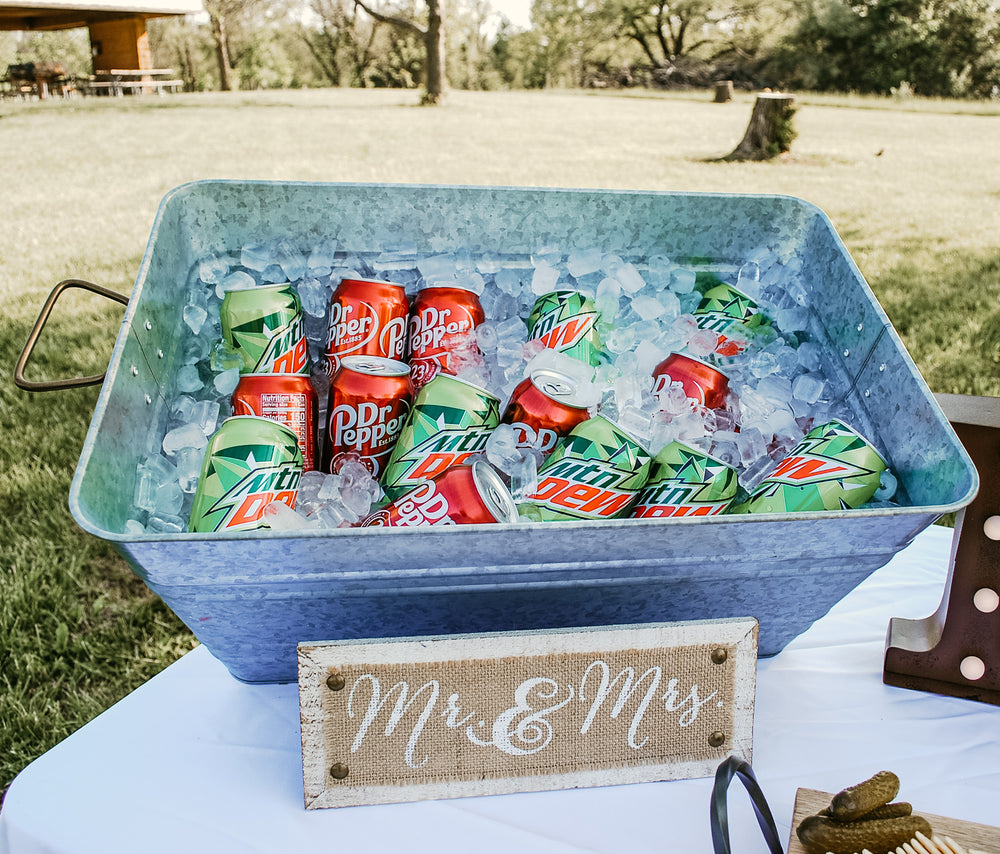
x=734 y=767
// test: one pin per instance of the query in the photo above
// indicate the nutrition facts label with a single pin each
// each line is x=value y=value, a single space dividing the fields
x=289 y=409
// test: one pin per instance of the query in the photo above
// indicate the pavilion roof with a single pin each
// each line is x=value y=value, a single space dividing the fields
x=64 y=14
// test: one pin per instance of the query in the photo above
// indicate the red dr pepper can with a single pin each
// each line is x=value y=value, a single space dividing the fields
x=703 y=383
x=369 y=400
x=543 y=407
x=367 y=318
x=289 y=399
x=466 y=494
x=440 y=315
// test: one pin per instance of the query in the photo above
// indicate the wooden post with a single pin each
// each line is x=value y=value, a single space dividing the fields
x=723 y=91
x=770 y=131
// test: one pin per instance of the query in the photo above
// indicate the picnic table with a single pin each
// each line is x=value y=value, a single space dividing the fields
x=133 y=81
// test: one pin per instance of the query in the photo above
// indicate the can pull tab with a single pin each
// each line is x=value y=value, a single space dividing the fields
x=58 y=385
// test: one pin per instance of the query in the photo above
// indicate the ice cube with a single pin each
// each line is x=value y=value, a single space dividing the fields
x=329 y=490
x=682 y=280
x=238 y=281
x=181 y=408
x=291 y=260
x=167 y=499
x=357 y=498
x=189 y=462
x=205 y=413
x=607 y=296
x=213 y=270
x=702 y=343
x=524 y=477
x=502 y=449
x=487 y=337
x=544 y=279
x=256 y=256
x=226 y=382
x=647 y=307
x=581 y=262
x=186 y=436
x=222 y=356
x=165 y=524
x=810 y=356
x=630 y=278
x=134 y=528
x=194 y=317
x=188 y=379
x=488 y=264
x=808 y=387
x=320 y=261
x=751 y=445
x=437 y=268
x=280 y=517
x=313 y=296
x=508 y=281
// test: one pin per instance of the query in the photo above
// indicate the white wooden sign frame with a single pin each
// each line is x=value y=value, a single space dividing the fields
x=408 y=719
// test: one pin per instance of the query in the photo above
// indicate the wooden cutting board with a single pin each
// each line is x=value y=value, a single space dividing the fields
x=975 y=838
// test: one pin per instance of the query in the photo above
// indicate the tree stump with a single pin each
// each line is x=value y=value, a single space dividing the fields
x=723 y=91
x=770 y=131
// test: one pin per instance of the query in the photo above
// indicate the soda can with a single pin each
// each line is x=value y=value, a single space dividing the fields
x=596 y=472
x=544 y=407
x=367 y=318
x=440 y=316
x=265 y=326
x=249 y=462
x=451 y=420
x=567 y=321
x=686 y=482
x=833 y=468
x=467 y=494
x=369 y=402
x=289 y=399
x=724 y=308
x=703 y=383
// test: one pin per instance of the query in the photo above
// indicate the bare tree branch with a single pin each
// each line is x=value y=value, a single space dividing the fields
x=392 y=20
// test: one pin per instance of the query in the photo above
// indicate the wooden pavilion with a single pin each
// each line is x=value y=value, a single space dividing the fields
x=118 y=37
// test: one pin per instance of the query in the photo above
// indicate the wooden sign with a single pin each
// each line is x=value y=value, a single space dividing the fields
x=443 y=717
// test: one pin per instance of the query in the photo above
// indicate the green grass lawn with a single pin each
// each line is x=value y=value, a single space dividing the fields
x=913 y=187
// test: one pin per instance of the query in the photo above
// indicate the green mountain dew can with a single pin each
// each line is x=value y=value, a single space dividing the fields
x=722 y=309
x=685 y=482
x=249 y=463
x=832 y=468
x=265 y=326
x=595 y=472
x=450 y=420
x=566 y=321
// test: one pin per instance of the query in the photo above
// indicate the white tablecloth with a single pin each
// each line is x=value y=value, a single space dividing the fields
x=197 y=761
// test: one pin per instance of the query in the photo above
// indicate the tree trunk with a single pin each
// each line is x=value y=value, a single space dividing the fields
x=222 y=52
x=434 y=43
x=723 y=91
x=770 y=131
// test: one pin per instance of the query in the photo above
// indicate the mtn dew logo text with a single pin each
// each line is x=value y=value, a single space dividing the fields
x=566 y=321
x=249 y=463
x=832 y=468
x=595 y=472
x=450 y=421
x=265 y=326
x=686 y=482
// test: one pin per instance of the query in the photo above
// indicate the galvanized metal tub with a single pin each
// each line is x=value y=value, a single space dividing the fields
x=251 y=597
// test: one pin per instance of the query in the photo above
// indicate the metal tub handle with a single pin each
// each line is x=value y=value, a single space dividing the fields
x=36 y=331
